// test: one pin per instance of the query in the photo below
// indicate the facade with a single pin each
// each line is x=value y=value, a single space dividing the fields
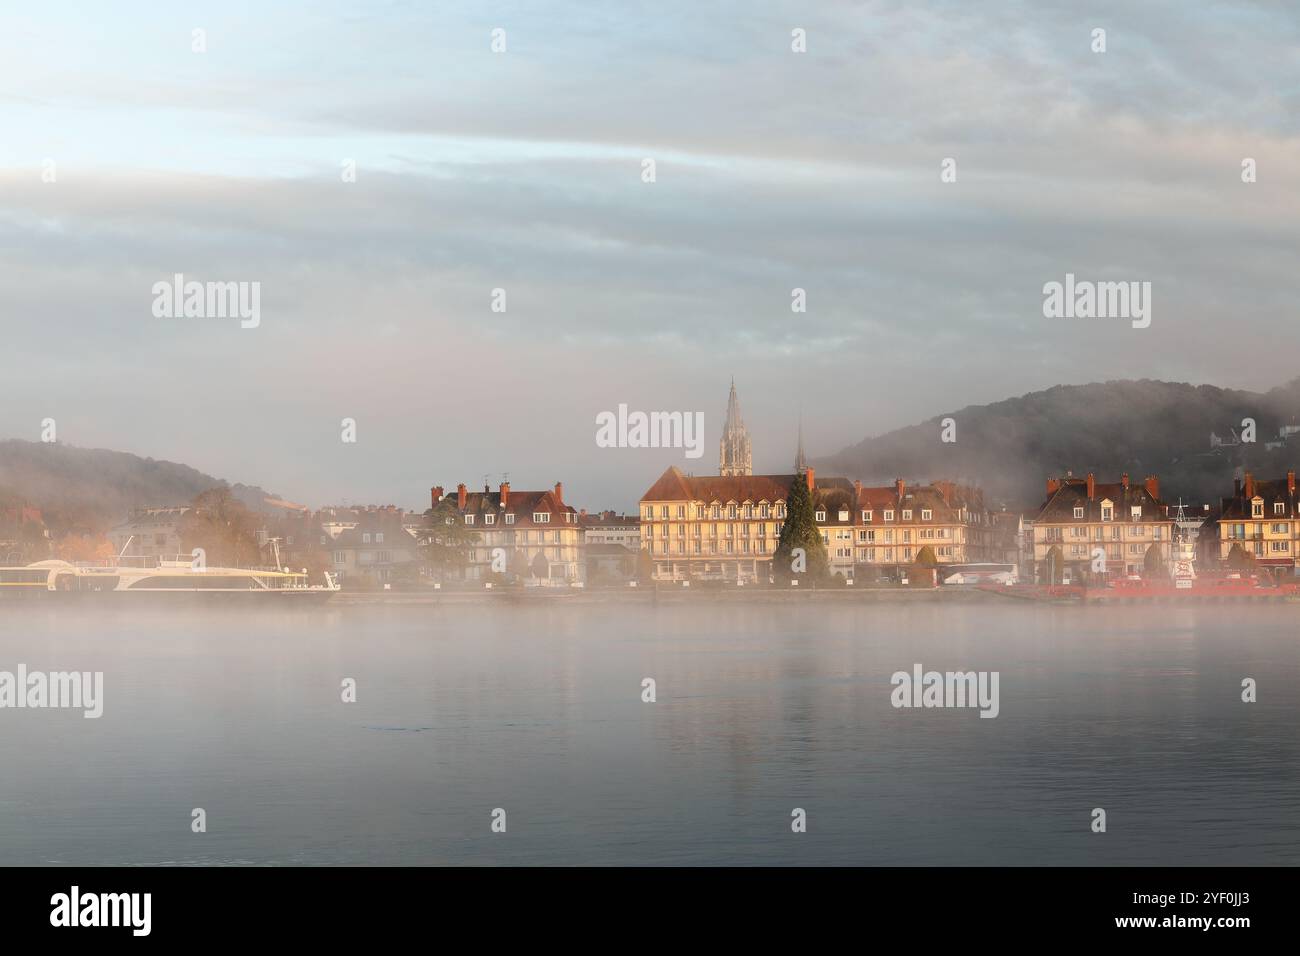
x=610 y=545
x=1263 y=517
x=1080 y=515
x=735 y=457
x=713 y=528
x=149 y=532
x=894 y=523
x=532 y=535
x=727 y=528
x=368 y=545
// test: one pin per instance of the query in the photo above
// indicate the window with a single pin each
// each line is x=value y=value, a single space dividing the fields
x=907 y=514
x=1137 y=512
x=926 y=514
x=469 y=519
x=1078 y=512
x=1278 y=509
x=489 y=519
x=322 y=539
x=510 y=517
x=866 y=514
x=681 y=511
x=365 y=538
x=1107 y=512
x=889 y=515
x=541 y=517
x=1257 y=509
x=821 y=515
x=844 y=515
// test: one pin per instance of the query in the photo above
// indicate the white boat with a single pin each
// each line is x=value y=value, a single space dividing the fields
x=159 y=576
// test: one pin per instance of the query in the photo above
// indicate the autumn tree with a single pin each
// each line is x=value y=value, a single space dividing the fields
x=223 y=527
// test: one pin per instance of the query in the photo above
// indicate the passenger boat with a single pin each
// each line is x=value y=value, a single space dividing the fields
x=159 y=576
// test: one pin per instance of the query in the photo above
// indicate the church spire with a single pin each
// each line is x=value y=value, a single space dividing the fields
x=734 y=457
x=800 y=462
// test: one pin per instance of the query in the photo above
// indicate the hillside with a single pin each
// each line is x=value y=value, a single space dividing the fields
x=1142 y=427
x=95 y=488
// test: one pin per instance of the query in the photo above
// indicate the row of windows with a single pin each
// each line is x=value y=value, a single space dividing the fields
x=539 y=517
x=717 y=512
x=1108 y=512
x=1099 y=534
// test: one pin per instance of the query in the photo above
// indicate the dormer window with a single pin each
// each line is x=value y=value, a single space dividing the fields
x=866 y=514
x=1107 y=512
x=1279 y=508
x=907 y=514
x=379 y=537
x=541 y=517
x=510 y=517
x=889 y=515
x=489 y=519
x=844 y=514
x=1078 y=512
x=469 y=519
x=1137 y=512
x=821 y=515
x=926 y=514
x=365 y=537
x=1257 y=509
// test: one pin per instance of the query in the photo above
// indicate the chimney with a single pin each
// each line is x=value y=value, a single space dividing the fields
x=899 y=485
x=1250 y=486
x=435 y=494
x=505 y=493
x=810 y=479
x=1153 y=487
x=559 y=492
x=1092 y=486
x=1053 y=486
x=1290 y=483
x=461 y=494
x=857 y=489
x=1123 y=481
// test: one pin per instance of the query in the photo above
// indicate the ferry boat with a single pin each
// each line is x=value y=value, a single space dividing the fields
x=159 y=576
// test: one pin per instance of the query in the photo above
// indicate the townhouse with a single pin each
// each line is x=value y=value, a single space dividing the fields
x=1263 y=517
x=530 y=535
x=1125 y=521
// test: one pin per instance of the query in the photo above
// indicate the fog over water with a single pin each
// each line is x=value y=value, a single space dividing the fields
x=536 y=708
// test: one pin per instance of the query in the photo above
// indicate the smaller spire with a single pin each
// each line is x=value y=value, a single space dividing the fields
x=800 y=461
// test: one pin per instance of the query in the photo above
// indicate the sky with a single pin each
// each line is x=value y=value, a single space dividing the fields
x=126 y=156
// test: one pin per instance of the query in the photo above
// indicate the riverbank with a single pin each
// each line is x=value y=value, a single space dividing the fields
x=671 y=595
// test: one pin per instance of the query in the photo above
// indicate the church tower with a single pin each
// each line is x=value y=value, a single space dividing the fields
x=734 y=457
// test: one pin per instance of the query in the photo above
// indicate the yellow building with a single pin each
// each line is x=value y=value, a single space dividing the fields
x=1083 y=520
x=895 y=522
x=533 y=535
x=1264 y=518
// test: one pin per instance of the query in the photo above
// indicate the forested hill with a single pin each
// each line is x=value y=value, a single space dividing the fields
x=95 y=488
x=1140 y=427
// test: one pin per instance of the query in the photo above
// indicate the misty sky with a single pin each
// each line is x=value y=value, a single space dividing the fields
x=522 y=170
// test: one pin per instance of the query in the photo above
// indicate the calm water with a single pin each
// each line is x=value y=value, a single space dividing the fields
x=760 y=709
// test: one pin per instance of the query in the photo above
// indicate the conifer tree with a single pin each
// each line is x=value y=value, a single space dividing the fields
x=800 y=531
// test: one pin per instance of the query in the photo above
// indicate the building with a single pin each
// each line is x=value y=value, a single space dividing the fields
x=368 y=546
x=150 y=533
x=1263 y=517
x=721 y=527
x=894 y=523
x=1083 y=520
x=735 y=457
x=611 y=543
x=532 y=536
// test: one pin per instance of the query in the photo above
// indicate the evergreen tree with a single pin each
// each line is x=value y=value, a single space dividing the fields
x=800 y=531
x=926 y=557
x=1153 y=566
